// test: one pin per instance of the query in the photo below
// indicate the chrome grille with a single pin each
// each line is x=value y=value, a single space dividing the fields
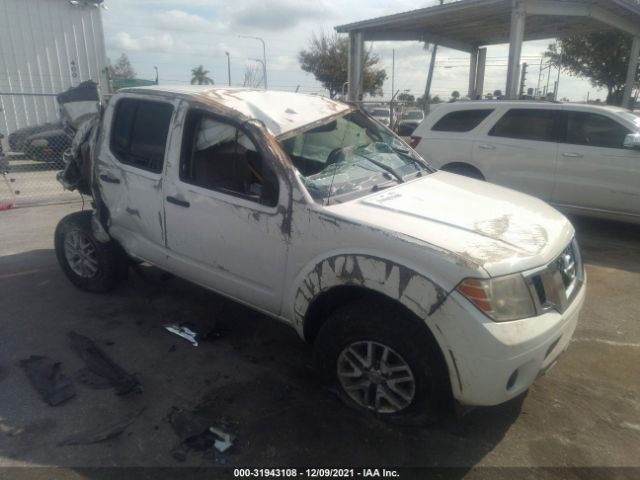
x=554 y=286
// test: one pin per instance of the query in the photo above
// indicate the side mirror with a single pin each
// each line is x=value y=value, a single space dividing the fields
x=632 y=141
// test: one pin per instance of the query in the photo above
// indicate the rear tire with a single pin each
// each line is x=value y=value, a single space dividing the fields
x=90 y=265
x=464 y=170
x=383 y=362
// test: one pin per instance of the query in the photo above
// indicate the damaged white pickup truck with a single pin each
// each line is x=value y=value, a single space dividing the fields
x=414 y=286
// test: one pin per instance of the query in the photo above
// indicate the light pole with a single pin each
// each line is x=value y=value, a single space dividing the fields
x=228 y=66
x=264 y=57
x=264 y=71
x=157 y=76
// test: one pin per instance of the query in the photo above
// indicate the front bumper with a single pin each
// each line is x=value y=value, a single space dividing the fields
x=491 y=363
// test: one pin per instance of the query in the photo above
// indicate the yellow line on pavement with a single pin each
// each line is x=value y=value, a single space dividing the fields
x=25 y=273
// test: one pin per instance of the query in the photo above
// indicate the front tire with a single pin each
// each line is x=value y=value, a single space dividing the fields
x=90 y=265
x=383 y=362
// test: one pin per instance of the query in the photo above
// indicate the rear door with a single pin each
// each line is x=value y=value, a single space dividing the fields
x=595 y=171
x=130 y=165
x=519 y=150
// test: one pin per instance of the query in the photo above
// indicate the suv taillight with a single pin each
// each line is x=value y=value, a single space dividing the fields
x=414 y=142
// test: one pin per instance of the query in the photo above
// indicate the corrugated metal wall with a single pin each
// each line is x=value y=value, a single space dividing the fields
x=46 y=46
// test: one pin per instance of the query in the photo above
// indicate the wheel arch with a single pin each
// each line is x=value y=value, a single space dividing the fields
x=462 y=167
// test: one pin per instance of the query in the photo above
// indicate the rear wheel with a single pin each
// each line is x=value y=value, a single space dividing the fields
x=383 y=362
x=89 y=264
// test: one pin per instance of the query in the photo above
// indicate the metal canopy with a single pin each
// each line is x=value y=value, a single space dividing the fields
x=467 y=25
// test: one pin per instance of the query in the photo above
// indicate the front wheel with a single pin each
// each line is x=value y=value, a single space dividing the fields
x=89 y=264
x=383 y=362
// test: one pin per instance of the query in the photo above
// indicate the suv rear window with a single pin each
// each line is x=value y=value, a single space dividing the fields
x=461 y=121
x=527 y=124
x=139 y=133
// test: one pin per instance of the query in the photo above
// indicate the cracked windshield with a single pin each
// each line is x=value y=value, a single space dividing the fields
x=351 y=156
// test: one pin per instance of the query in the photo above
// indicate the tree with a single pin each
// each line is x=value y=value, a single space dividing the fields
x=122 y=68
x=406 y=97
x=200 y=76
x=455 y=95
x=601 y=57
x=253 y=76
x=497 y=94
x=327 y=58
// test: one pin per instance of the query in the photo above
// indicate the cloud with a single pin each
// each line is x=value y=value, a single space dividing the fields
x=279 y=14
x=179 y=21
x=148 y=43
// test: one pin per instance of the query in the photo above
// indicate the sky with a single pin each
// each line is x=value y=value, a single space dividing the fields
x=177 y=36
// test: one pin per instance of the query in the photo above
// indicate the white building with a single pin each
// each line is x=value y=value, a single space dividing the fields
x=46 y=47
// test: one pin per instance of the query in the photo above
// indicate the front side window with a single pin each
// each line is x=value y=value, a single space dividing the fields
x=462 y=121
x=594 y=130
x=139 y=133
x=350 y=156
x=527 y=124
x=220 y=156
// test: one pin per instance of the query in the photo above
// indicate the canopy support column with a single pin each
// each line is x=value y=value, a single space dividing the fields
x=473 y=74
x=518 y=23
x=631 y=72
x=482 y=63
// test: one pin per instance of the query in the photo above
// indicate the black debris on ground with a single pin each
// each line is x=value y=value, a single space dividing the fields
x=46 y=376
x=102 y=433
x=101 y=365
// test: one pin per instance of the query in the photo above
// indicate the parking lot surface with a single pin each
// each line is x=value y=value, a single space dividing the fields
x=253 y=378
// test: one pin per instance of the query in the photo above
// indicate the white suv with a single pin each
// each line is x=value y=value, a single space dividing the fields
x=581 y=158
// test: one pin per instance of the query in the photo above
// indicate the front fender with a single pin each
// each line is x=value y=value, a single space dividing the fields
x=415 y=291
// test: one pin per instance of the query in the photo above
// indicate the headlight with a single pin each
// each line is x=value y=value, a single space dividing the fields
x=502 y=298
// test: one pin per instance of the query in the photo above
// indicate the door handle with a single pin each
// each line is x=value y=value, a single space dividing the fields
x=572 y=155
x=486 y=146
x=108 y=179
x=179 y=202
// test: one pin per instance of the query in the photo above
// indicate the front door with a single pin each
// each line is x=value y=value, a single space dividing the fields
x=223 y=207
x=595 y=171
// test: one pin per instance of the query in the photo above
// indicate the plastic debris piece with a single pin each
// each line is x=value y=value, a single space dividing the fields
x=101 y=434
x=225 y=442
x=100 y=364
x=45 y=374
x=183 y=331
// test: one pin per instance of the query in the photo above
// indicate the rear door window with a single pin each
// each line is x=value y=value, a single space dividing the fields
x=461 y=121
x=139 y=133
x=527 y=124
x=595 y=130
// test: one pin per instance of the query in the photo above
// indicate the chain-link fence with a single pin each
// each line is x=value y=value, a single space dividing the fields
x=31 y=148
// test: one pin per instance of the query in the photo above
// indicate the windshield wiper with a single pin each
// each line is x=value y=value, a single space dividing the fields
x=386 y=168
x=406 y=154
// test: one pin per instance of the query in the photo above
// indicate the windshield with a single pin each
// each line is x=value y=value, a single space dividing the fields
x=413 y=115
x=632 y=116
x=380 y=113
x=351 y=156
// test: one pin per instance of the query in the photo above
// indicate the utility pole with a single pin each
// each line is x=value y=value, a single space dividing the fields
x=539 y=77
x=558 y=81
x=523 y=78
x=432 y=66
x=393 y=81
x=228 y=66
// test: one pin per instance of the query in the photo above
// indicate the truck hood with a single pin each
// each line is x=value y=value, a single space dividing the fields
x=483 y=225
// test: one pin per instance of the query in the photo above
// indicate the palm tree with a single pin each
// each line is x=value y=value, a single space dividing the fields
x=199 y=76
